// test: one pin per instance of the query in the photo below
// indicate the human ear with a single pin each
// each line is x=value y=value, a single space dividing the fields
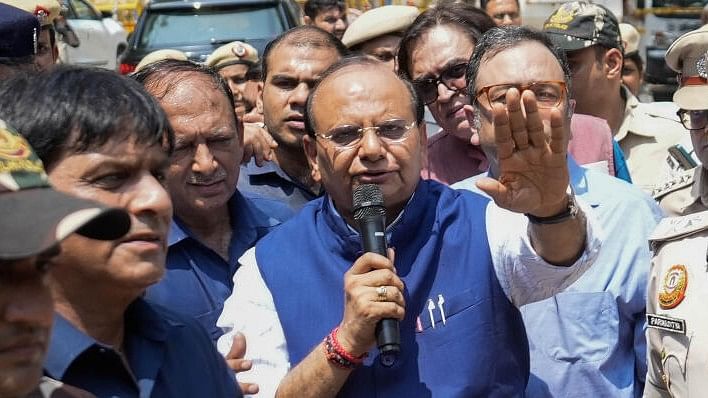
x=614 y=62
x=309 y=145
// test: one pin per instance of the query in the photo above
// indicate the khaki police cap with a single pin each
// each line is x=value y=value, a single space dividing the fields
x=630 y=38
x=688 y=56
x=160 y=55
x=236 y=52
x=378 y=22
x=46 y=11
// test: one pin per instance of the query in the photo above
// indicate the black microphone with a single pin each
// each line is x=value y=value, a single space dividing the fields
x=370 y=214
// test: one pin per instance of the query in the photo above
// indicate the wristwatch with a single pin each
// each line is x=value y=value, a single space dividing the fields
x=570 y=212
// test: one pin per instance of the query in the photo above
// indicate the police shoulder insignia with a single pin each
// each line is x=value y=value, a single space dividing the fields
x=674 y=289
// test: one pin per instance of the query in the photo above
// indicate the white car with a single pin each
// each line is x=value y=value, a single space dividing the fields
x=101 y=40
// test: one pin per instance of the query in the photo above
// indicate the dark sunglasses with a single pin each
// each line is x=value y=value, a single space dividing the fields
x=427 y=89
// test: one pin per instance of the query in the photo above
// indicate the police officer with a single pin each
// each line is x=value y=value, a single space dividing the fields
x=677 y=331
x=378 y=32
x=18 y=40
x=688 y=192
x=233 y=61
x=46 y=11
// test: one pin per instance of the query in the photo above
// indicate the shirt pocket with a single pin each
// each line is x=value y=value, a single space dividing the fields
x=457 y=358
x=573 y=326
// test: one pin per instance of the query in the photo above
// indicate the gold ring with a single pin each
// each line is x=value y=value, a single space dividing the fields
x=381 y=291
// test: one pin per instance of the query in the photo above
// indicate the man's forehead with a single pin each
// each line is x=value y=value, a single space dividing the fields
x=330 y=11
x=538 y=62
x=357 y=84
x=294 y=58
x=501 y=3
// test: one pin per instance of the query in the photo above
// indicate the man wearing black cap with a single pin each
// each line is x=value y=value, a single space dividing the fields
x=19 y=31
x=590 y=36
x=34 y=218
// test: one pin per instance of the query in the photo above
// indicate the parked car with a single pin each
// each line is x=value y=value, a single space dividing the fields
x=101 y=39
x=198 y=27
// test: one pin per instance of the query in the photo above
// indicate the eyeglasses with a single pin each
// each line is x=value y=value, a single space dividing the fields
x=390 y=131
x=549 y=94
x=427 y=89
x=693 y=120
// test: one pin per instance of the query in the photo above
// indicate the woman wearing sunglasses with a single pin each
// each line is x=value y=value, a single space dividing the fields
x=433 y=54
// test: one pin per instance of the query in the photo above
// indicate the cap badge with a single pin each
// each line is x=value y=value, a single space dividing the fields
x=42 y=15
x=701 y=66
x=674 y=289
x=239 y=50
x=563 y=16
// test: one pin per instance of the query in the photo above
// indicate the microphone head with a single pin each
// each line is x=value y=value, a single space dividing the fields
x=368 y=201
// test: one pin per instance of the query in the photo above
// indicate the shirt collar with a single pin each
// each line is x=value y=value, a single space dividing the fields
x=68 y=343
x=252 y=169
x=246 y=217
x=631 y=103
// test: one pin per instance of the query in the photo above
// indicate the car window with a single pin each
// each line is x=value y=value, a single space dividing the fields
x=83 y=10
x=210 y=25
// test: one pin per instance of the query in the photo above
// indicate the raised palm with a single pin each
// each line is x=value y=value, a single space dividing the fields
x=533 y=173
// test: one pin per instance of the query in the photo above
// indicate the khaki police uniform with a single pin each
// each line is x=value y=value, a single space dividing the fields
x=647 y=132
x=686 y=193
x=677 y=325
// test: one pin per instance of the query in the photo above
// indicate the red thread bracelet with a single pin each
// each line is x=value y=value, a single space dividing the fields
x=339 y=356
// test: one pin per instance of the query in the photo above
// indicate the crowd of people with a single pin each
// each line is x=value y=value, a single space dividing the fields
x=194 y=229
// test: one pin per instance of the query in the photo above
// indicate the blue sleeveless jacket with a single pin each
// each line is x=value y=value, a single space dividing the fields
x=442 y=255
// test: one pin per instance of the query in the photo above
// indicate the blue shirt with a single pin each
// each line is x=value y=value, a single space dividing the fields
x=270 y=181
x=167 y=355
x=198 y=280
x=588 y=341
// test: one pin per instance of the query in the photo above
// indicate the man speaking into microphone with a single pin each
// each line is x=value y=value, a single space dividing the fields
x=309 y=297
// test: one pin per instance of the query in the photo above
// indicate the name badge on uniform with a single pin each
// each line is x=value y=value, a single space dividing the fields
x=669 y=324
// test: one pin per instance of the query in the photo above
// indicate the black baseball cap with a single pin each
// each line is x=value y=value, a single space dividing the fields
x=578 y=24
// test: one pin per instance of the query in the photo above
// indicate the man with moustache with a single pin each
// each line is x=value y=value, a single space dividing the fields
x=452 y=283
x=34 y=219
x=588 y=339
x=292 y=64
x=110 y=142
x=213 y=223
